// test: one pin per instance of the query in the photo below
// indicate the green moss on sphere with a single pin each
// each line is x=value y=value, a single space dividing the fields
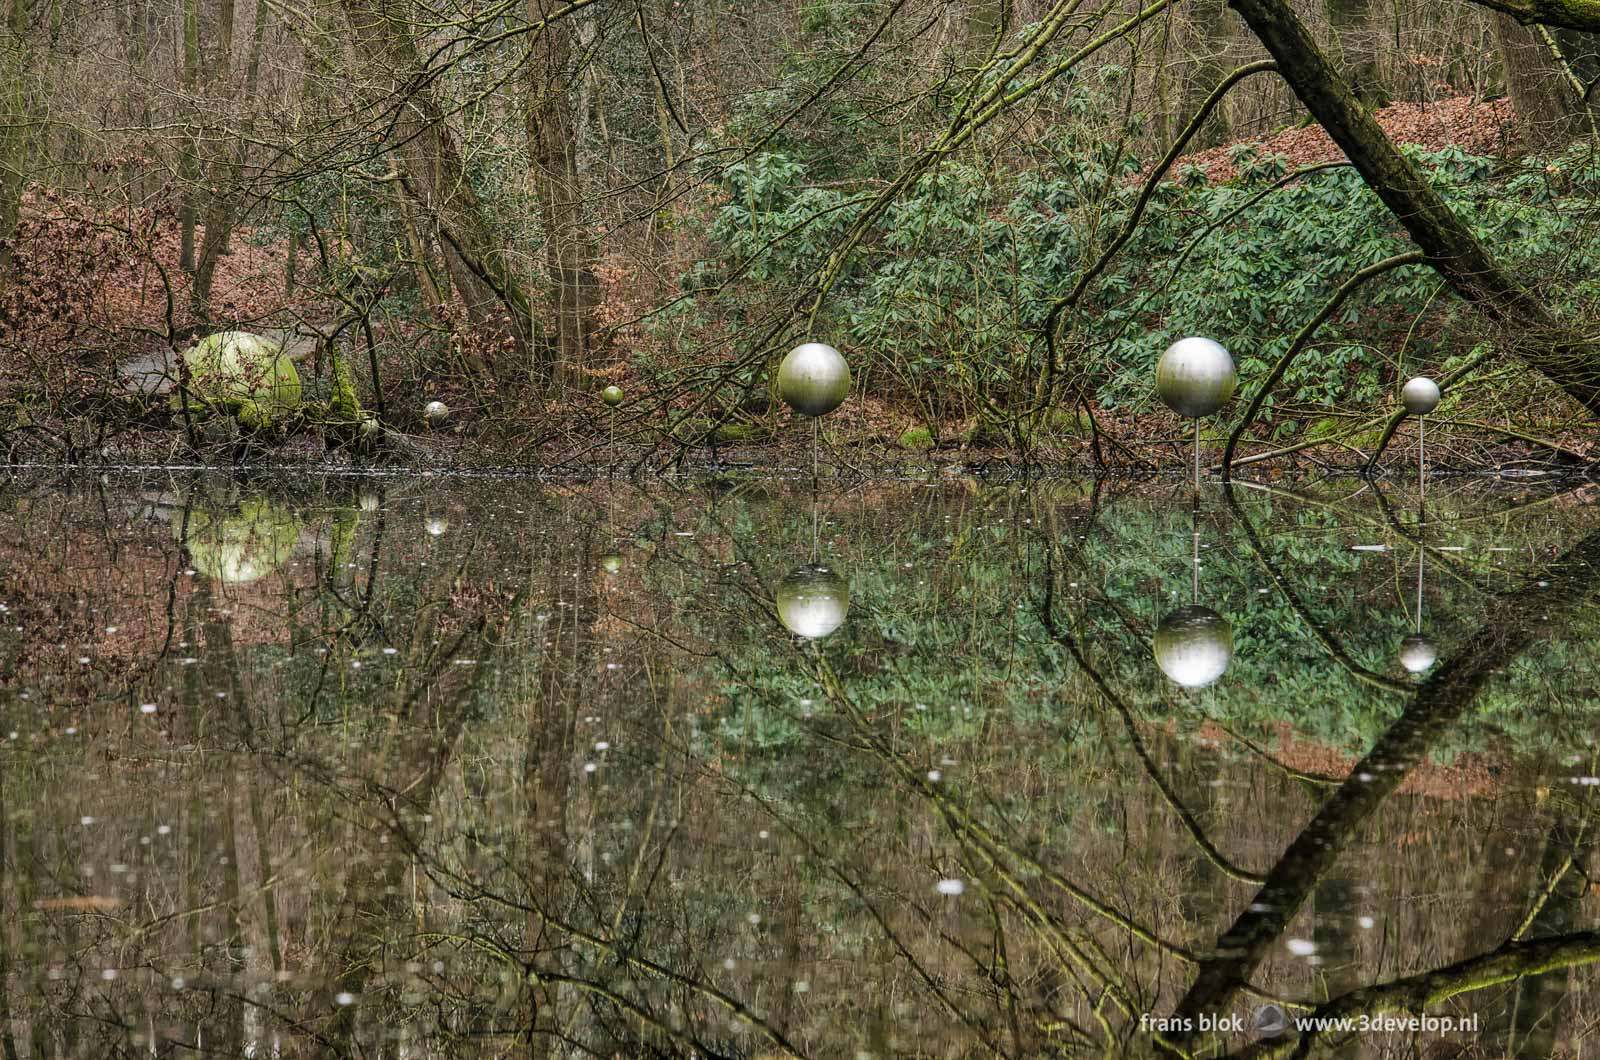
x=239 y=546
x=612 y=395
x=245 y=375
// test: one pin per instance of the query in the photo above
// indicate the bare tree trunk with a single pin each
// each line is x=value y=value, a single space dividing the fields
x=222 y=211
x=16 y=113
x=553 y=159
x=1356 y=45
x=1210 y=30
x=1548 y=107
x=189 y=163
x=435 y=178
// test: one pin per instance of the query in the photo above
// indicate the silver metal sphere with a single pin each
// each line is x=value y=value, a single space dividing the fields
x=1420 y=395
x=435 y=412
x=369 y=429
x=1417 y=653
x=1195 y=377
x=612 y=395
x=1194 y=645
x=436 y=525
x=813 y=601
x=814 y=379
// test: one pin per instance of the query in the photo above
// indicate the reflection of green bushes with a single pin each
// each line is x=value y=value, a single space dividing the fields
x=944 y=637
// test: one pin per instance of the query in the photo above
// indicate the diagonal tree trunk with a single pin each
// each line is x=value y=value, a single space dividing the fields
x=1540 y=339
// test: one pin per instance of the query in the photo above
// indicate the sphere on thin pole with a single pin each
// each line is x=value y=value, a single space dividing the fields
x=814 y=379
x=435 y=413
x=1196 y=377
x=1420 y=395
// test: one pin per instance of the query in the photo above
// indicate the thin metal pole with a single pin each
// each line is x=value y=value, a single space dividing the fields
x=1422 y=456
x=611 y=467
x=1197 y=454
x=816 y=430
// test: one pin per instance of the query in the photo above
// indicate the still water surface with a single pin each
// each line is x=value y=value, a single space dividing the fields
x=430 y=768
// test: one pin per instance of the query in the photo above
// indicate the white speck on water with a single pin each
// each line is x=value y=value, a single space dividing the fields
x=178 y=982
x=935 y=776
x=753 y=918
x=344 y=997
x=589 y=767
x=730 y=964
x=72 y=730
x=1543 y=584
x=950 y=887
x=1365 y=778
x=391 y=651
x=1366 y=922
x=86 y=820
x=1369 y=548
x=111 y=629
x=763 y=834
x=83 y=659
x=1302 y=947
x=802 y=987
x=165 y=829
x=108 y=974
x=602 y=745
x=147 y=708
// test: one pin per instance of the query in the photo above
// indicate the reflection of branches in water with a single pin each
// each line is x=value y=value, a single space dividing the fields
x=1438 y=703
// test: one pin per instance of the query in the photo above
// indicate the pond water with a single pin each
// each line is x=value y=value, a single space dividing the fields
x=420 y=767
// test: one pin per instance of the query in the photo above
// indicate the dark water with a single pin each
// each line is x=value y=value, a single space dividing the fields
x=422 y=768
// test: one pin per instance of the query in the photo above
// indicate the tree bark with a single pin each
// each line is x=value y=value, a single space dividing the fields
x=1210 y=30
x=189 y=162
x=553 y=161
x=1536 y=336
x=434 y=176
x=1548 y=107
x=16 y=113
x=1356 y=41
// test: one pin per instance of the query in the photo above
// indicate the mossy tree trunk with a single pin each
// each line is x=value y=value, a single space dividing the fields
x=16 y=122
x=1565 y=354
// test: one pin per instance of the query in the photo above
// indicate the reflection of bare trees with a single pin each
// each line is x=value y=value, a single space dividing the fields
x=372 y=850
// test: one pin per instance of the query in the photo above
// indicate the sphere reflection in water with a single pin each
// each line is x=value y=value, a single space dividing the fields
x=813 y=601
x=1417 y=653
x=611 y=563
x=1194 y=645
x=243 y=544
x=435 y=525
x=1195 y=377
x=814 y=379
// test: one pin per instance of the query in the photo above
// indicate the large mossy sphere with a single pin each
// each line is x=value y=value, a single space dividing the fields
x=814 y=379
x=246 y=375
x=240 y=545
x=1193 y=646
x=813 y=601
x=1420 y=395
x=612 y=395
x=1195 y=377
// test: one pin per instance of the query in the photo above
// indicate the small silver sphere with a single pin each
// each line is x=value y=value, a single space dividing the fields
x=435 y=412
x=1420 y=395
x=1193 y=646
x=612 y=395
x=1417 y=653
x=435 y=525
x=1195 y=377
x=813 y=601
x=369 y=429
x=814 y=379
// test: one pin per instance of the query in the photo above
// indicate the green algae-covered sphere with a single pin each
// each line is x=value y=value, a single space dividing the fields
x=246 y=375
x=1193 y=646
x=240 y=545
x=813 y=601
x=611 y=563
x=814 y=379
x=1195 y=377
x=612 y=395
